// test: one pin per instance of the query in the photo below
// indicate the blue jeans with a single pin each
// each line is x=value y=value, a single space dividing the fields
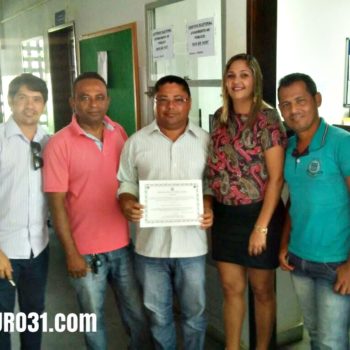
x=30 y=276
x=118 y=271
x=160 y=279
x=326 y=313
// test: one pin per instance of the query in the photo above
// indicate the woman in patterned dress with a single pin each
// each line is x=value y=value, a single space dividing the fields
x=245 y=172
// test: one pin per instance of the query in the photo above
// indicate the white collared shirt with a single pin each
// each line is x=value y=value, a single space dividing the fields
x=23 y=205
x=150 y=155
x=98 y=142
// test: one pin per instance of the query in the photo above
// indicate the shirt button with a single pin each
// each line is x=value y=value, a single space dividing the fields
x=298 y=160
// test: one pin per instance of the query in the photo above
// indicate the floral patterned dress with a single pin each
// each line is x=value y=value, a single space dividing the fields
x=237 y=175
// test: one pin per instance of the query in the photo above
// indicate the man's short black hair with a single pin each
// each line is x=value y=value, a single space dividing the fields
x=88 y=75
x=172 y=79
x=31 y=81
x=295 y=77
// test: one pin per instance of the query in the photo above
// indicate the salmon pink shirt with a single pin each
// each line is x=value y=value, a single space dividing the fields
x=74 y=164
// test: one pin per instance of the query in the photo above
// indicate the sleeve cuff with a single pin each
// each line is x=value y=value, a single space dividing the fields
x=128 y=187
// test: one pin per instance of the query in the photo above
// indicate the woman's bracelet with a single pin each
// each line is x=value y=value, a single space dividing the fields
x=261 y=229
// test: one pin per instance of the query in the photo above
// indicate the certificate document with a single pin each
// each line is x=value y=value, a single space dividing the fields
x=171 y=203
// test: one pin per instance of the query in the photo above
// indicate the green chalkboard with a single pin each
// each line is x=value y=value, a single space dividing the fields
x=122 y=75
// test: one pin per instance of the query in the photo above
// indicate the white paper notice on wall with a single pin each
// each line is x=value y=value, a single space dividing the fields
x=162 y=44
x=102 y=65
x=200 y=37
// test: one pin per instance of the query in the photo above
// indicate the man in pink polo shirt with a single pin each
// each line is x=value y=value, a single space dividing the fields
x=81 y=163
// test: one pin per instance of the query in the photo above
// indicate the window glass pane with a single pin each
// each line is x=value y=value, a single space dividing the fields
x=205 y=101
x=33 y=62
x=190 y=66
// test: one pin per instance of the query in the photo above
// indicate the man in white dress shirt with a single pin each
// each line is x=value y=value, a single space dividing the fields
x=23 y=208
x=169 y=260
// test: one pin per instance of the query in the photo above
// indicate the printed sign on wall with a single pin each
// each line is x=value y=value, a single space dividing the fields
x=162 y=44
x=102 y=64
x=200 y=37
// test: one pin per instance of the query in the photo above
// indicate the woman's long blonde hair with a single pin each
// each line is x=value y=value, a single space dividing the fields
x=258 y=102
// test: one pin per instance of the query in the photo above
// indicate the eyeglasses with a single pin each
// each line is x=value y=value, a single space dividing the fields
x=177 y=101
x=35 y=148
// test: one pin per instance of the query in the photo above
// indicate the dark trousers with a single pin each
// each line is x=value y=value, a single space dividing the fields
x=30 y=276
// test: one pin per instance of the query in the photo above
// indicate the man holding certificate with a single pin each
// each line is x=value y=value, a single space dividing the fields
x=160 y=176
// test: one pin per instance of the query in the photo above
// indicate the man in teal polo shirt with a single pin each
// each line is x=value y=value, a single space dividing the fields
x=316 y=241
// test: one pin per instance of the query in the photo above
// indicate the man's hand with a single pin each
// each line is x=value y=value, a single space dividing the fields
x=257 y=243
x=76 y=265
x=342 y=284
x=5 y=267
x=132 y=209
x=283 y=258
x=207 y=218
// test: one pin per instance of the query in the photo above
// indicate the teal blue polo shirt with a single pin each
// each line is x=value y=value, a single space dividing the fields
x=320 y=199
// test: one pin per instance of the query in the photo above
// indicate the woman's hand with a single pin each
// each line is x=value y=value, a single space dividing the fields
x=207 y=218
x=257 y=242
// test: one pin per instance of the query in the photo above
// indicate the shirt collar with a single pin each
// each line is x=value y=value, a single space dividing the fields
x=319 y=139
x=190 y=128
x=107 y=122
x=317 y=142
x=12 y=129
